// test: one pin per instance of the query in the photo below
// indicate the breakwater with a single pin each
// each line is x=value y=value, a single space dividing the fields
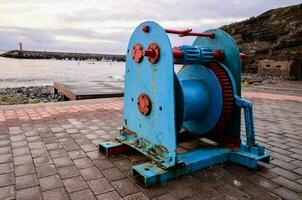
x=62 y=55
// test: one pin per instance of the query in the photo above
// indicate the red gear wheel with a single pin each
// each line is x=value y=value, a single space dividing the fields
x=228 y=106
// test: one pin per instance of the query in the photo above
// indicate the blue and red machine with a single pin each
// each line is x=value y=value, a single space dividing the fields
x=162 y=109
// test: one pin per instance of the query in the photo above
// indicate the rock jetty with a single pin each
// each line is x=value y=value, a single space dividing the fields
x=62 y=56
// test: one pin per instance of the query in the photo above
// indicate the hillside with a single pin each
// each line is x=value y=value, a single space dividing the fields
x=273 y=42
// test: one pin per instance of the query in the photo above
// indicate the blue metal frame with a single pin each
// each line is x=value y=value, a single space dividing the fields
x=191 y=99
x=153 y=135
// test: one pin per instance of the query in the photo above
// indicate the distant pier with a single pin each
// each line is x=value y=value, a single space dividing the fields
x=62 y=56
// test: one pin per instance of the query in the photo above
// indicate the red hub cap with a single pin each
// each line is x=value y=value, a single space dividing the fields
x=144 y=104
x=137 y=53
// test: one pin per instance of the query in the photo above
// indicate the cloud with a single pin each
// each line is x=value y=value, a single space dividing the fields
x=105 y=26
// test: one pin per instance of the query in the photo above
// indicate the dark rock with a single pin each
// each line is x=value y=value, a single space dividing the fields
x=273 y=42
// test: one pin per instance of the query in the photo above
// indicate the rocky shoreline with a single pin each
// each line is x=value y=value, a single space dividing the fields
x=28 y=95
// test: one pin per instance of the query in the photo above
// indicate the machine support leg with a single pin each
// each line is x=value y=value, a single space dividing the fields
x=248 y=118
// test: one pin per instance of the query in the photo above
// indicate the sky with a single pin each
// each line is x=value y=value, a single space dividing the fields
x=105 y=26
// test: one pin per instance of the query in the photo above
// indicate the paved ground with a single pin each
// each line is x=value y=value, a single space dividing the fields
x=48 y=151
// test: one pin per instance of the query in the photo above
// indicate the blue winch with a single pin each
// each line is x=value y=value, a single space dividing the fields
x=202 y=102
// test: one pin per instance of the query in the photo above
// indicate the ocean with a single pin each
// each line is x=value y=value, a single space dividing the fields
x=36 y=72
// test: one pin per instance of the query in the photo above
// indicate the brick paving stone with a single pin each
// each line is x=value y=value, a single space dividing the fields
x=57 y=153
x=7 y=192
x=25 y=169
x=19 y=144
x=298 y=171
x=6 y=168
x=287 y=194
x=262 y=182
x=285 y=173
x=74 y=184
x=288 y=184
x=164 y=197
x=76 y=154
x=41 y=161
x=32 y=193
x=20 y=151
x=7 y=179
x=123 y=164
x=46 y=170
x=24 y=159
x=26 y=181
x=39 y=153
x=153 y=191
x=94 y=155
x=283 y=164
x=62 y=161
x=36 y=138
x=82 y=195
x=259 y=193
x=139 y=196
x=88 y=147
x=83 y=163
x=125 y=187
x=99 y=186
x=5 y=150
x=232 y=192
x=52 y=141
x=4 y=143
x=103 y=163
x=50 y=182
x=56 y=194
x=69 y=171
x=204 y=191
x=36 y=145
x=90 y=173
x=113 y=195
x=53 y=146
x=71 y=147
x=113 y=174
x=5 y=158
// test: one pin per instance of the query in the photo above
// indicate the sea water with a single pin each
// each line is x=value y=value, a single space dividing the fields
x=37 y=72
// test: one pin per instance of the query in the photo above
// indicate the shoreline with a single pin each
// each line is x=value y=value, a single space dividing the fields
x=28 y=95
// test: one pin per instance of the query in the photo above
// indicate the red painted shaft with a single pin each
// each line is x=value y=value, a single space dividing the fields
x=172 y=31
x=210 y=35
x=178 y=54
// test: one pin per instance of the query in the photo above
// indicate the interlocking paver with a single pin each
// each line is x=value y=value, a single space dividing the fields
x=58 y=145
x=62 y=161
x=125 y=187
x=40 y=161
x=99 y=186
x=82 y=163
x=50 y=182
x=90 y=173
x=26 y=181
x=7 y=192
x=113 y=174
x=46 y=170
x=82 y=195
x=6 y=168
x=74 y=184
x=25 y=169
x=113 y=195
x=29 y=194
x=7 y=179
x=69 y=171
x=59 y=194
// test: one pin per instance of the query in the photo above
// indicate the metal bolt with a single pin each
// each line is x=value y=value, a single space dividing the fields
x=146 y=29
